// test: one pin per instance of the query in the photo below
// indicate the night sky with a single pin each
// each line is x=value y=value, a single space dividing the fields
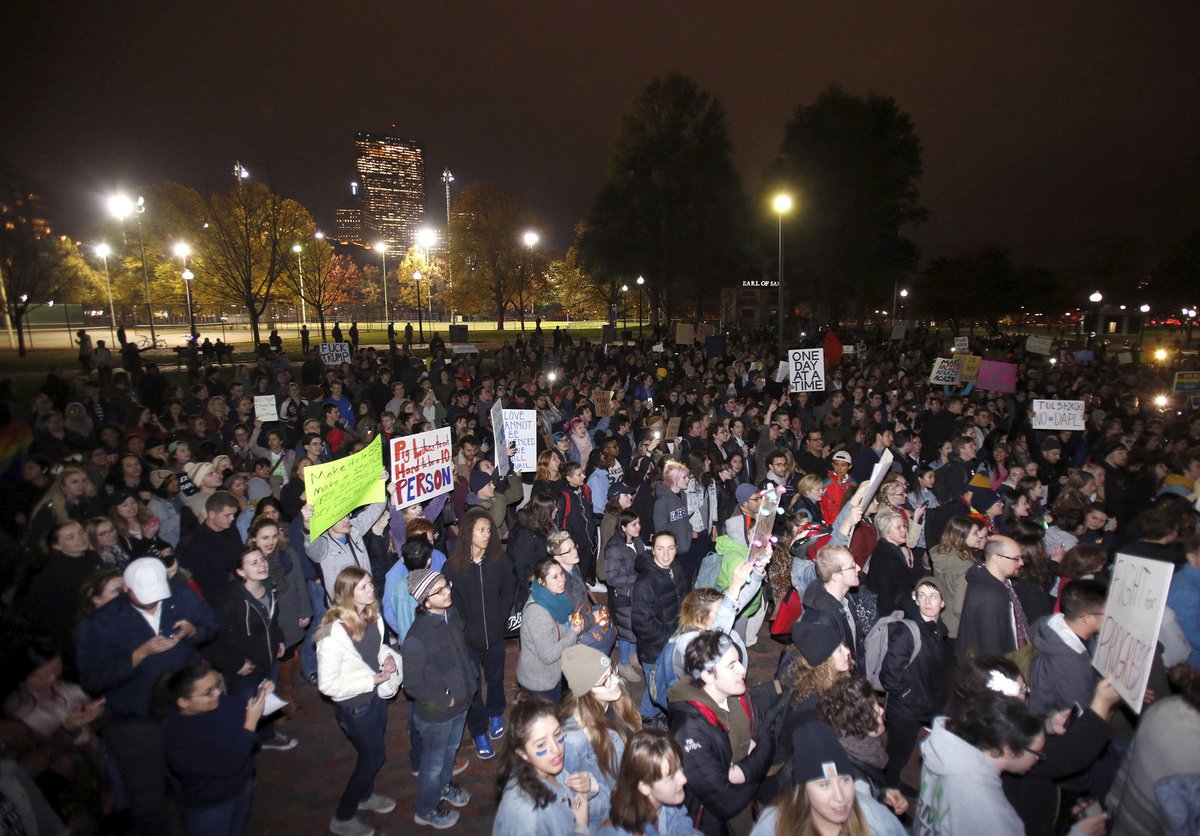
x=1049 y=128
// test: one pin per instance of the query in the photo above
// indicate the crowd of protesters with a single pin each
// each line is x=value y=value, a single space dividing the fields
x=164 y=593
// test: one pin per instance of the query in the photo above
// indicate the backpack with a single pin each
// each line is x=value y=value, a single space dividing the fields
x=710 y=568
x=875 y=646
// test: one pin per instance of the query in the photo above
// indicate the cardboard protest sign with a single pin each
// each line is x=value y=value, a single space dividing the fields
x=995 y=376
x=1125 y=358
x=1058 y=415
x=672 y=430
x=781 y=373
x=1039 y=345
x=265 y=408
x=1133 y=615
x=602 y=399
x=685 y=333
x=422 y=466
x=497 y=418
x=520 y=428
x=1187 y=382
x=806 y=369
x=334 y=354
x=970 y=367
x=899 y=330
x=1084 y=355
x=336 y=488
x=705 y=330
x=657 y=347
x=946 y=371
x=962 y=344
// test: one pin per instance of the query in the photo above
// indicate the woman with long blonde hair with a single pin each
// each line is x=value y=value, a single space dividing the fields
x=358 y=672
x=71 y=497
x=599 y=717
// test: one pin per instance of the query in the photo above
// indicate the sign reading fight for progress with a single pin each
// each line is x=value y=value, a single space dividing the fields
x=520 y=428
x=334 y=354
x=1133 y=616
x=336 y=488
x=422 y=466
x=806 y=369
x=1058 y=415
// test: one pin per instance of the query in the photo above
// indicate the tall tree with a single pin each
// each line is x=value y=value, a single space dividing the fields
x=671 y=207
x=986 y=285
x=244 y=245
x=852 y=164
x=487 y=254
x=38 y=269
x=322 y=278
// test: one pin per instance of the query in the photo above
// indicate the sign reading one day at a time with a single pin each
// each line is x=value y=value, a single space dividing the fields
x=806 y=369
x=1058 y=415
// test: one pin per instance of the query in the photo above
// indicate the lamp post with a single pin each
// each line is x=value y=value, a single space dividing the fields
x=102 y=250
x=641 y=283
x=1096 y=298
x=420 y=325
x=530 y=239
x=121 y=207
x=183 y=251
x=782 y=205
x=625 y=306
x=297 y=249
x=903 y=296
x=382 y=249
x=427 y=240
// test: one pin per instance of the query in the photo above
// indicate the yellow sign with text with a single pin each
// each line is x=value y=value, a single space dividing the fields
x=336 y=488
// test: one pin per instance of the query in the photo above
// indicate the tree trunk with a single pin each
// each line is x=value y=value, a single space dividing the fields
x=321 y=319
x=19 y=319
x=253 y=327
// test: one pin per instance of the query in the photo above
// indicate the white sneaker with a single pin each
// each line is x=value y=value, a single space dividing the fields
x=377 y=803
x=350 y=827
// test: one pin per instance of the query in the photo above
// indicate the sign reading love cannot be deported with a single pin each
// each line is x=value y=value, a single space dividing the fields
x=806 y=369
x=422 y=466
x=1133 y=616
x=336 y=488
x=1058 y=415
x=520 y=428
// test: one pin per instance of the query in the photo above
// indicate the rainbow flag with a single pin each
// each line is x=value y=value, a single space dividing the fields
x=16 y=440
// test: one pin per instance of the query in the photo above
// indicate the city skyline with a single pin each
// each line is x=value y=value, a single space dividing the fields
x=1046 y=129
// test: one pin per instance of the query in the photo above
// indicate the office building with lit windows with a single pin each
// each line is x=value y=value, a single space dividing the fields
x=390 y=187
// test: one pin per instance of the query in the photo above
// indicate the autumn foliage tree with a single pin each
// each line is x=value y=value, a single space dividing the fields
x=323 y=279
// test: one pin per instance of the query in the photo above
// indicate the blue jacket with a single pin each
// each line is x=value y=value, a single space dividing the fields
x=580 y=756
x=1184 y=599
x=672 y=821
x=105 y=641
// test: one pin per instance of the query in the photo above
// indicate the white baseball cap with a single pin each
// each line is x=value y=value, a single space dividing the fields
x=146 y=579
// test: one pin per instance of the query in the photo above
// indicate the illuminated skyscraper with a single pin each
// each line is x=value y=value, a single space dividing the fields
x=391 y=186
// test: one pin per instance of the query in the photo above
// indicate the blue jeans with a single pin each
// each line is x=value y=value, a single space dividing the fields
x=227 y=817
x=366 y=728
x=439 y=744
x=414 y=738
x=626 y=649
x=646 y=707
x=492 y=662
x=308 y=650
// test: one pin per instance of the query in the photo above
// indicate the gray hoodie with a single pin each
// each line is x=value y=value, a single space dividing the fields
x=671 y=514
x=961 y=790
x=1062 y=673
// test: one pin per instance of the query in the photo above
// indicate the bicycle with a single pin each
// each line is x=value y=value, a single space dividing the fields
x=144 y=343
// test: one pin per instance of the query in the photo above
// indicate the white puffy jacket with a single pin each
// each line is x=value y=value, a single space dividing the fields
x=341 y=672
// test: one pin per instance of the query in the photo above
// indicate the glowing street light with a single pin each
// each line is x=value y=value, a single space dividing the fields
x=1144 y=309
x=624 y=305
x=641 y=283
x=782 y=204
x=420 y=325
x=382 y=249
x=120 y=206
x=102 y=250
x=183 y=251
x=530 y=239
x=1097 y=297
x=297 y=249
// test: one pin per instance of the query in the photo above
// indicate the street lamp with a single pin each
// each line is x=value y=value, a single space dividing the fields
x=382 y=249
x=641 y=283
x=102 y=251
x=1096 y=298
x=782 y=205
x=530 y=239
x=625 y=305
x=427 y=240
x=121 y=207
x=420 y=325
x=183 y=251
x=297 y=249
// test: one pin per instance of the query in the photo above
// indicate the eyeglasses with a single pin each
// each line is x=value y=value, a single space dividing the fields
x=853 y=567
x=1038 y=753
x=449 y=585
x=1015 y=558
x=573 y=548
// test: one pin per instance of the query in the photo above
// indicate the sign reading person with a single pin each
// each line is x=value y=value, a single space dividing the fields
x=336 y=488
x=806 y=369
x=422 y=466
x=334 y=354
x=520 y=429
x=1058 y=415
x=1133 y=615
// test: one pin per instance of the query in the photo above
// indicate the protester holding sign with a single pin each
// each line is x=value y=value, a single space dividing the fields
x=341 y=545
